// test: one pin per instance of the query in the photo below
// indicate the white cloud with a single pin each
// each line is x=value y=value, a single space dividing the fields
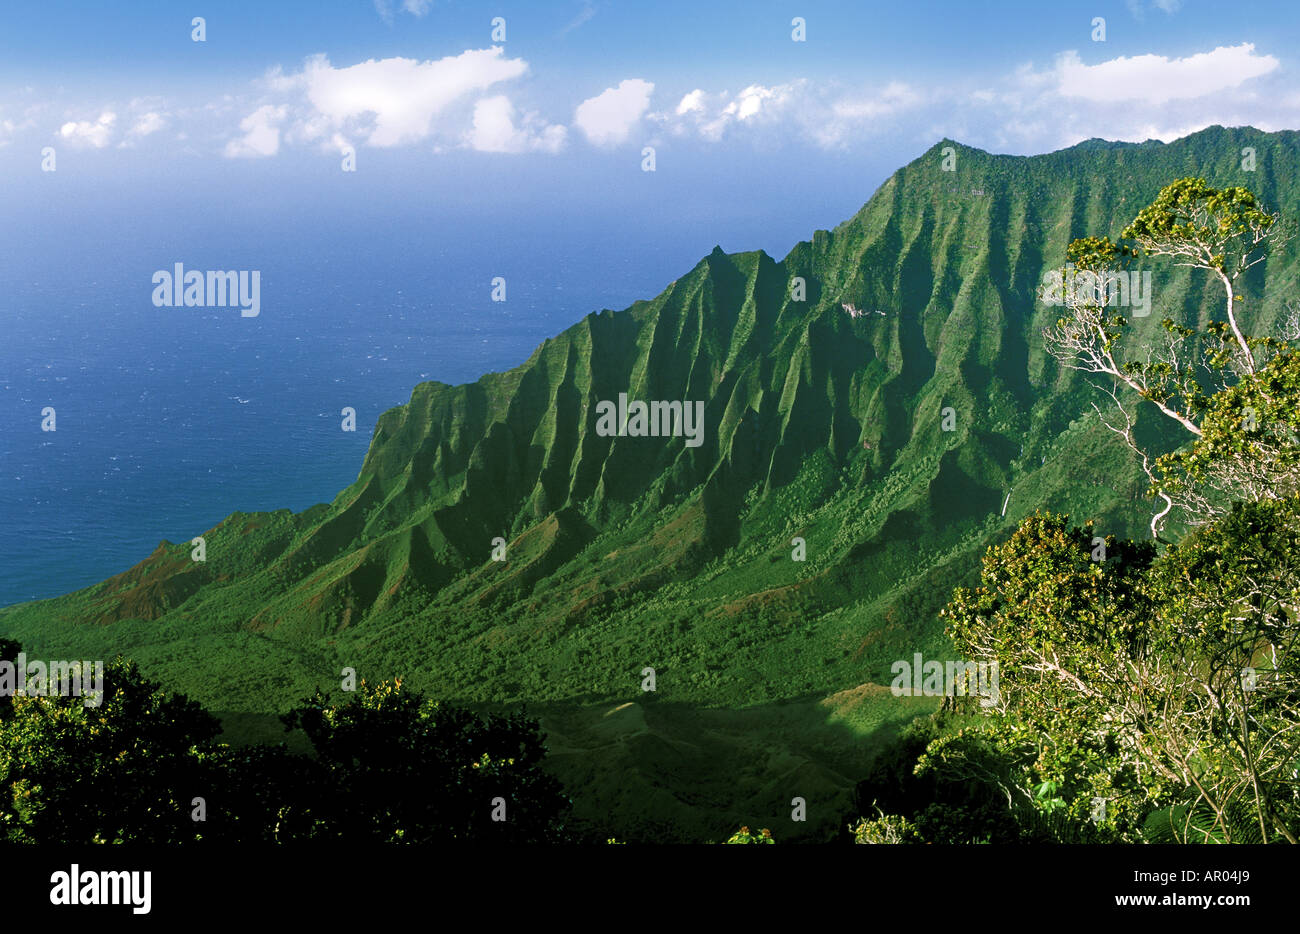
x=1128 y=98
x=261 y=133
x=150 y=122
x=463 y=101
x=1028 y=109
x=711 y=114
x=495 y=130
x=825 y=112
x=849 y=115
x=750 y=101
x=754 y=101
x=1156 y=79
x=608 y=118
x=93 y=134
x=691 y=102
x=341 y=143
x=9 y=127
x=393 y=101
x=894 y=97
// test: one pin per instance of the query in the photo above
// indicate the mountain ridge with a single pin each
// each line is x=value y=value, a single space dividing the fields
x=626 y=552
x=421 y=459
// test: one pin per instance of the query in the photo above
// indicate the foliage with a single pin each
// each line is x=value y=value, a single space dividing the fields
x=122 y=771
x=1167 y=689
x=399 y=768
x=1248 y=450
x=887 y=828
x=389 y=767
x=1188 y=375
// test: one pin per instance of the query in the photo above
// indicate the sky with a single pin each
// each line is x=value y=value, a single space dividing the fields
x=620 y=140
x=766 y=120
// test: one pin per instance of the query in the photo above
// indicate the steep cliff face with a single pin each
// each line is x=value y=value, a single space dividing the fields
x=818 y=425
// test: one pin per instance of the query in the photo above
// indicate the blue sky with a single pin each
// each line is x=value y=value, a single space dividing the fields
x=863 y=65
x=279 y=94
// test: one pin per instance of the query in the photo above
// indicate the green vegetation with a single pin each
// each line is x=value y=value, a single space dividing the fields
x=626 y=553
x=1142 y=696
x=386 y=766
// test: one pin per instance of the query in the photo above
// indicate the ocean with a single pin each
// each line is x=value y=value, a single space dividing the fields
x=169 y=419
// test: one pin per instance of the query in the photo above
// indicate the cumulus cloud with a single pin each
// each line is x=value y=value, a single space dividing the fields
x=92 y=133
x=465 y=101
x=750 y=101
x=892 y=98
x=827 y=113
x=495 y=129
x=1157 y=79
x=1029 y=109
x=691 y=102
x=853 y=112
x=393 y=101
x=147 y=123
x=1131 y=98
x=608 y=118
x=261 y=131
x=754 y=103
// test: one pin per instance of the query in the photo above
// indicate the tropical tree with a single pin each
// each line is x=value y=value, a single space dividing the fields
x=1061 y=614
x=400 y=768
x=1169 y=684
x=1146 y=696
x=144 y=765
x=124 y=770
x=1172 y=678
x=1216 y=699
x=1224 y=232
